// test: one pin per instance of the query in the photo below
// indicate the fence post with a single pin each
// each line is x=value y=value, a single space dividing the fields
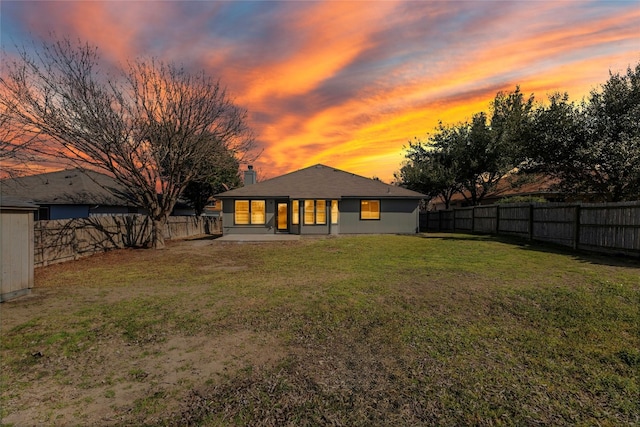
x=473 y=219
x=439 y=221
x=497 y=219
x=576 y=227
x=531 y=221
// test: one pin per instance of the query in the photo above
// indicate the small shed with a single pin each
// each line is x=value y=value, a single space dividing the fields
x=16 y=248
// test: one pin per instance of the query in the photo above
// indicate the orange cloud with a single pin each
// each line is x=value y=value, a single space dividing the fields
x=349 y=83
x=532 y=57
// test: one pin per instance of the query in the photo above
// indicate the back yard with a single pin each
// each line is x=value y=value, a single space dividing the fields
x=371 y=330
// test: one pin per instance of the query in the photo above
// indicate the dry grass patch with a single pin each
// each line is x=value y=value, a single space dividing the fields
x=370 y=330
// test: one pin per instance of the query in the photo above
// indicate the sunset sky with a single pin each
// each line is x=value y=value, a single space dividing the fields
x=349 y=83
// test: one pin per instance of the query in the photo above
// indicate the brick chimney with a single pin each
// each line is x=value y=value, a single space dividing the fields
x=249 y=176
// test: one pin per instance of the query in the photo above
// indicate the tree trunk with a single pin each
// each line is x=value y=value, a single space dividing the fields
x=157 y=232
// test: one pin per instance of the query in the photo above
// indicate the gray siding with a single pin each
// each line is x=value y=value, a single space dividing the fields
x=315 y=228
x=396 y=216
x=228 y=226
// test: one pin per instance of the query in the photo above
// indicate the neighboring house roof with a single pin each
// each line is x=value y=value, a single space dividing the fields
x=511 y=186
x=321 y=182
x=10 y=202
x=528 y=185
x=64 y=188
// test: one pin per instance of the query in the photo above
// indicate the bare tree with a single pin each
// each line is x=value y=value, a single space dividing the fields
x=152 y=126
x=15 y=156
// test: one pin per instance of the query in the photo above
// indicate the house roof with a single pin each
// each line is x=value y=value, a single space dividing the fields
x=321 y=182
x=64 y=187
x=527 y=185
x=515 y=185
x=13 y=203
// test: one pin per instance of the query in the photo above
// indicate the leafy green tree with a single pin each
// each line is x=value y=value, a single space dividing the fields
x=478 y=158
x=612 y=128
x=511 y=125
x=226 y=177
x=429 y=170
x=471 y=157
x=592 y=148
x=557 y=146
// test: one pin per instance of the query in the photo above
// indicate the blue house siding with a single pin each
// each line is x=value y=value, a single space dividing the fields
x=68 y=211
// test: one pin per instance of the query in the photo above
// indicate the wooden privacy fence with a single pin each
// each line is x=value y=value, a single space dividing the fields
x=606 y=227
x=68 y=239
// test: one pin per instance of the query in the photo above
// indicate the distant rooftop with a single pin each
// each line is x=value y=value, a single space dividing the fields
x=72 y=186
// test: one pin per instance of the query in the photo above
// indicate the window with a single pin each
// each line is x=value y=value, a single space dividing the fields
x=321 y=211
x=334 y=212
x=309 y=212
x=42 y=214
x=370 y=209
x=315 y=212
x=242 y=212
x=295 y=212
x=249 y=212
x=257 y=212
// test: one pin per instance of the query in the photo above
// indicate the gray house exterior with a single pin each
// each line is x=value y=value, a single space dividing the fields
x=320 y=200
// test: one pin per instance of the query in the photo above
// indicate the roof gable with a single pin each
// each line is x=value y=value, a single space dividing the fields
x=320 y=182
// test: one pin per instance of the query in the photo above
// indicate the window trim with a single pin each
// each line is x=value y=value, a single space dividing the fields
x=379 y=209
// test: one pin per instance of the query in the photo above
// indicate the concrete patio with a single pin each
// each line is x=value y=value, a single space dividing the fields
x=258 y=237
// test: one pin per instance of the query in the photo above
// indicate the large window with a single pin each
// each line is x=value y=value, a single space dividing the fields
x=295 y=212
x=249 y=212
x=369 y=209
x=315 y=212
x=334 y=212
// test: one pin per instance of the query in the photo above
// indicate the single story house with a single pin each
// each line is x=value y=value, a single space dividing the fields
x=319 y=200
x=70 y=193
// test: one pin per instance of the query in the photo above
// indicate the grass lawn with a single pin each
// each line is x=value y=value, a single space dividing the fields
x=371 y=330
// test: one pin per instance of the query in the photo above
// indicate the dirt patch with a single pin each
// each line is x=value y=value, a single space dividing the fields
x=112 y=380
x=81 y=369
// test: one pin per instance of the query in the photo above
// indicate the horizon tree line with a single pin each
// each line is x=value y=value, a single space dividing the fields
x=590 y=147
